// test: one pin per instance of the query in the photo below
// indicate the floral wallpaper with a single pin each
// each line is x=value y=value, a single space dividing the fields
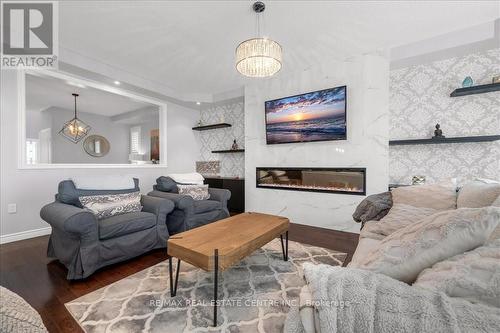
x=232 y=164
x=420 y=98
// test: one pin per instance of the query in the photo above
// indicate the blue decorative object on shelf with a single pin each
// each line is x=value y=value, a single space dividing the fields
x=467 y=82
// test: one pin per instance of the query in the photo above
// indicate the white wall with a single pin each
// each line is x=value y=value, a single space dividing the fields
x=31 y=189
x=183 y=149
x=65 y=151
x=36 y=120
x=366 y=78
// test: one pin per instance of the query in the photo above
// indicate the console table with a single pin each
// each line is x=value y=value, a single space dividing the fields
x=236 y=203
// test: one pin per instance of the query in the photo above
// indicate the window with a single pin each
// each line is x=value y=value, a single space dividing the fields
x=31 y=151
x=135 y=140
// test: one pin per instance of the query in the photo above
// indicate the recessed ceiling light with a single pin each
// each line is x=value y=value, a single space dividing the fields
x=75 y=84
x=198 y=103
x=117 y=83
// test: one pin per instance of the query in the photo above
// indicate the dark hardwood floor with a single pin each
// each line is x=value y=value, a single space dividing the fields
x=331 y=239
x=26 y=270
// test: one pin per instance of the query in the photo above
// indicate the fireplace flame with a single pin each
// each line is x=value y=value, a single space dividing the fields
x=314 y=187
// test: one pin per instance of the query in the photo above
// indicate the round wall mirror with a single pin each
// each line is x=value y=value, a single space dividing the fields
x=96 y=145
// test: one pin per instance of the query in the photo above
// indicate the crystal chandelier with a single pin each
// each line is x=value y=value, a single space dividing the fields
x=75 y=129
x=258 y=57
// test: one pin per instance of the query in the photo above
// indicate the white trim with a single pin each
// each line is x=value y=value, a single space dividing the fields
x=21 y=119
x=21 y=102
x=17 y=236
x=90 y=166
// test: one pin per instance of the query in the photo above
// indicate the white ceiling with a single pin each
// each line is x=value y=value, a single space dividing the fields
x=189 y=46
x=43 y=92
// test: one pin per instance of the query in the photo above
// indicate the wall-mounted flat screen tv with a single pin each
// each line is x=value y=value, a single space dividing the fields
x=314 y=116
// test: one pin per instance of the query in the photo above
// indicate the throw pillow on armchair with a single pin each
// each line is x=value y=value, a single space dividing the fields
x=197 y=192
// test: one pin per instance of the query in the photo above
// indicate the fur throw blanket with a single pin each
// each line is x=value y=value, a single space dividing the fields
x=354 y=300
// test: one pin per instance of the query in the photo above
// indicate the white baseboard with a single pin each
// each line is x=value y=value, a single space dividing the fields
x=17 y=236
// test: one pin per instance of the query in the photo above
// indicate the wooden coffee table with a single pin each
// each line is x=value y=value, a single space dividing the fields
x=217 y=246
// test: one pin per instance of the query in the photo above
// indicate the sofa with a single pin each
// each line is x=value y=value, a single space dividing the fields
x=428 y=260
x=189 y=213
x=84 y=243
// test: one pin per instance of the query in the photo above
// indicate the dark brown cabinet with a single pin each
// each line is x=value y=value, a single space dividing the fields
x=237 y=187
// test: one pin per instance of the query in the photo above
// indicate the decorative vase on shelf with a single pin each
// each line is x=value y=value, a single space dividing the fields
x=467 y=82
x=235 y=145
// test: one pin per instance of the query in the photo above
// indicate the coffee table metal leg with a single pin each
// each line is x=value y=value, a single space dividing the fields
x=177 y=276
x=216 y=273
x=284 y=248
x=170 y=275
x=173 y=284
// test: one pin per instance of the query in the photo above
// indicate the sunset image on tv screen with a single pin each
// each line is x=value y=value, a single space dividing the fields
x=315 y=116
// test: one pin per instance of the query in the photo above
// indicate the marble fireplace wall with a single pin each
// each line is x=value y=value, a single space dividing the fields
x=367 y=80
x=420 y=98
x=232 y=112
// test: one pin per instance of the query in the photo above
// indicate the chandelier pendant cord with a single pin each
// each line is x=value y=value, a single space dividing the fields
x=75 y=105
x=257 y=24
x=260 y=20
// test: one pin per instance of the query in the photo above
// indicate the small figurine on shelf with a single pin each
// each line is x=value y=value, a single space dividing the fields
x=438 y=133
x=235 y=145
x=199 y=123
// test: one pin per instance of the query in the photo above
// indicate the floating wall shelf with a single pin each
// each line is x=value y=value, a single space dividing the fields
x=228 y=151
x=481 y=89
x=483 y=138
x=209 y=127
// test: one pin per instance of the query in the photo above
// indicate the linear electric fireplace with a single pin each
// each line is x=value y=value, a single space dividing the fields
x=330 y=180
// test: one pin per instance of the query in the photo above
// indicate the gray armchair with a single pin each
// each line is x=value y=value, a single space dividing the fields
x=190 y=213
x=84 y=244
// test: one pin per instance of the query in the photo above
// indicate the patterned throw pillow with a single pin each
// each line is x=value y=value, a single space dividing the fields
x=197 y=192
x=108 y=205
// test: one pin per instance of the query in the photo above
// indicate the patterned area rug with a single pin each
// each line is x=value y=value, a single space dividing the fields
x=256 y=293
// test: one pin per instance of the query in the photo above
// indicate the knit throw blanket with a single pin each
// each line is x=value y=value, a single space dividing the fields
x=17 y=316
x=354 y=300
